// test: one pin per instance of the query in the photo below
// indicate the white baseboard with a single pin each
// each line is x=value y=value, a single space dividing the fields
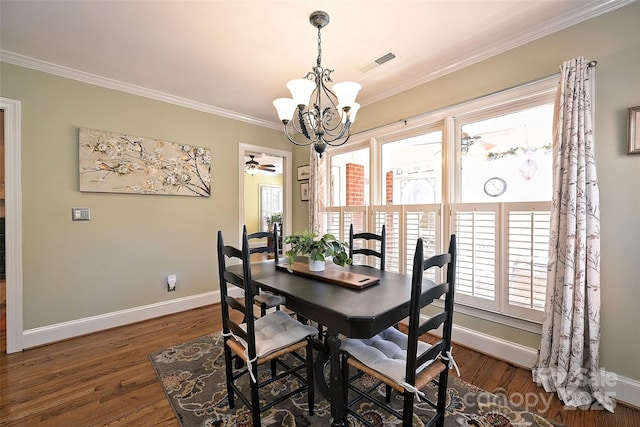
x=515 y=353
x=74 y=328
x=620 y=388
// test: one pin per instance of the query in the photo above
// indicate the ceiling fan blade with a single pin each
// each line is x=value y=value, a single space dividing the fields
x=269 y=165
x=265 y=168
x=485 y=145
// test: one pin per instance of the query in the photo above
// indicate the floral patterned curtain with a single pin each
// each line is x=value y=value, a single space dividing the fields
x=569 y=354
x=317 y=189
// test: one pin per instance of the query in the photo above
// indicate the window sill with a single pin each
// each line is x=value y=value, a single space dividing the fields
x=503 y=319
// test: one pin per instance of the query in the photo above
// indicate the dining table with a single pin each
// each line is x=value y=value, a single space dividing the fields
x=343 y=311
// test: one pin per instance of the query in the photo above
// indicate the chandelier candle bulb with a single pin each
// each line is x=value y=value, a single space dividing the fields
x=347 y=92
x=301 y=90
x=285 y=108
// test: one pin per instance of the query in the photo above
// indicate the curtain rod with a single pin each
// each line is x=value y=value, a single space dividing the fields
x=591 y=64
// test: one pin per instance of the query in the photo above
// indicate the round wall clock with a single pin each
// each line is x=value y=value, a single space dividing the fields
x=495 y=186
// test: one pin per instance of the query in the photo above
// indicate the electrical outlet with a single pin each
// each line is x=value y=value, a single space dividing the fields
x=172 y=280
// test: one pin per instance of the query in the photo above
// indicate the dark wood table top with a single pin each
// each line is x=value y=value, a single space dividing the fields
x=356 y=313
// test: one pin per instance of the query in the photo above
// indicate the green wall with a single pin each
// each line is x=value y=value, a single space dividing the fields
x=614 y=41
x=120 y=259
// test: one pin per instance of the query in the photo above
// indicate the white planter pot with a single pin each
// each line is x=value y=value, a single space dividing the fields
x=316 y=265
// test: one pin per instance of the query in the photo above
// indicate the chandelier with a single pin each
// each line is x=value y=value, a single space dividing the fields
x=323 y=115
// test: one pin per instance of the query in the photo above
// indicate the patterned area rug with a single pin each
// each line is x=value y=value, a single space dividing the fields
x=192 y=376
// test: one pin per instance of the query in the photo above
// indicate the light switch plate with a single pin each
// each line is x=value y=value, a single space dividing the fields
x=80 y=214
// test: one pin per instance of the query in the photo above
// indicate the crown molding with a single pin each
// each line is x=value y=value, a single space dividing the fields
x=561 y=22
x=93 y=79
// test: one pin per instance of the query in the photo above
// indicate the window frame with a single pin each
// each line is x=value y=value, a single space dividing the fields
x=449 y=120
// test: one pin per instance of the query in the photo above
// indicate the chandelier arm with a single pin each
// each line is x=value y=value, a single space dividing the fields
x=286 y=132
x=344 y=141
x=301 y=121
x=346 y=130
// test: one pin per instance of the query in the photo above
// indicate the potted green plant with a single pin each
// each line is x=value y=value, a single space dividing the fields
x=318 y=249
x=272 y=219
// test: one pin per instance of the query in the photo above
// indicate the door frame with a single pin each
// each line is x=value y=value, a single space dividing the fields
x=287 y=185
x=13 y=222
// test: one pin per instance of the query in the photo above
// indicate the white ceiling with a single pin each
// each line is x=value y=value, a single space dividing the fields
x=234 y=57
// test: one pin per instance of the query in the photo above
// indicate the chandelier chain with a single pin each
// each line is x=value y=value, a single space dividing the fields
x=319 y=47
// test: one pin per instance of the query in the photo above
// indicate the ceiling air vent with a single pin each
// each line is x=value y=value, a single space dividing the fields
x=377 y=62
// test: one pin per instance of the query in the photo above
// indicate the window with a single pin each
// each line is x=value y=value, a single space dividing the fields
x=412 y=170
x=482 y=170
x=506 y=157
x=270 y=204
x=349 y=184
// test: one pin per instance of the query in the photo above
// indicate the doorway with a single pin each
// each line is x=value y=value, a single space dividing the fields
x=13 y=225
x=3 y=281
x=249 y=201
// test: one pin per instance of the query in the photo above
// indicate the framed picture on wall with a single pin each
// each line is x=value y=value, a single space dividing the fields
x=303 y=172
x=304 y=191
x=634 y=130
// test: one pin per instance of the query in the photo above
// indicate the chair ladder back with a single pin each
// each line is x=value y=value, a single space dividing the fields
x=433 y=323
x=245 y=283
x=272 y=245
x=419 y=300
x=367 y=251
x=430 y=354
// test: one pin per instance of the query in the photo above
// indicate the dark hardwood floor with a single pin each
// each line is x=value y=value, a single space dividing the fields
x=106 y=379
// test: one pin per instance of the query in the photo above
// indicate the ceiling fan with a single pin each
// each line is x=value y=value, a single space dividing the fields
x=467 y=141
x=252 y=166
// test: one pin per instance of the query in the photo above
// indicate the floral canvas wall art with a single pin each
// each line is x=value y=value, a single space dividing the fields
x=118 y=163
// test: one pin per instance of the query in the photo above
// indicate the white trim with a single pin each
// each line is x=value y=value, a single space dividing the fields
x=621 y=388
x=74 y=328
x=94 y=79
x=501 y=318
x=561 y=22
x=13 y=226
x=502 y=349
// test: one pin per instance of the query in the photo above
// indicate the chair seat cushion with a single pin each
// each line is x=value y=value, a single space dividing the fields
x=269 y=299
x=277 y=330
x=385 y=352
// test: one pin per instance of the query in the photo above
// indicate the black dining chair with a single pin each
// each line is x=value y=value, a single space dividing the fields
x=363 y=240
x=264 y=299
x=421 y=363
x=261 y=340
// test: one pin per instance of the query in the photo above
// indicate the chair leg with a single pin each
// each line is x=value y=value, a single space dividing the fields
x=310 y=380
x=407 y=411
x=345 y=377
x=441 y=408
x=228 y=367
x=263 y=310
x=387 y=394
x=255 y=398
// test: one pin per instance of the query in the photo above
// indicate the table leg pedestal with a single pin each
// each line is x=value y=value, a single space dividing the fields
x=338 y=410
